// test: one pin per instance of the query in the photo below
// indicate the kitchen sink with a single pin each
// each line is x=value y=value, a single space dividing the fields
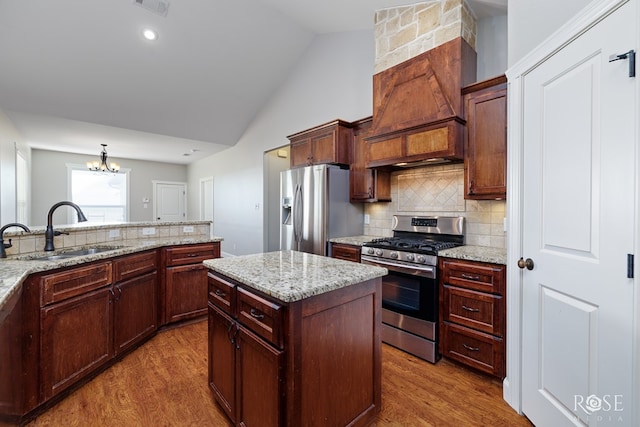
x=68 y=254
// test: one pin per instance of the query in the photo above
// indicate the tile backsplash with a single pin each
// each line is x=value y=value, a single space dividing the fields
x=439 y=190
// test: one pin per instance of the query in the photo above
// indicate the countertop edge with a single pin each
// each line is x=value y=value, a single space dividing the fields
x=476 y=253
x=14 y=270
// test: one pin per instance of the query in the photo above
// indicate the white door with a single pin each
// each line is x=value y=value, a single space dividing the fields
x=206 y=200
x=170 y=201
x=579 y=117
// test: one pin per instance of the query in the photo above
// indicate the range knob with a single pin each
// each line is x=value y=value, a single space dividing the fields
x=394 y=254
x=379 y=252
x=370 y=251
x=409 y=257
x=421 y=258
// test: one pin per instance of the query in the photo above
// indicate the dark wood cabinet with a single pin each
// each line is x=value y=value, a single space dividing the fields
x=278 y=364
x=185 y=280
x=366 y=184
x=485 y=160
x=86 y=319
x=136 y=314
x=346 y=252
x=472 y=307
x=327 y=143
x=76 y=340
x=135 y=295
x=76 y=309
x=245 y=354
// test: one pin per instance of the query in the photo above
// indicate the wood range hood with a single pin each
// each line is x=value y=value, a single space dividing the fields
x=418 y=113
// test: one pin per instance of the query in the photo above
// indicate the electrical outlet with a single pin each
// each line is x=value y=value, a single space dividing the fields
x=504 y=224
x=187 y=229
x=367 y=218
x=148 y=231
x=114 y=233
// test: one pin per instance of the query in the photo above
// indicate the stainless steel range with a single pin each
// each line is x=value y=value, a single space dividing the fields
x=410 y=290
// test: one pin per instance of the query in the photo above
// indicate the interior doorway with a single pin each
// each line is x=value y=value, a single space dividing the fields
x=275 y=161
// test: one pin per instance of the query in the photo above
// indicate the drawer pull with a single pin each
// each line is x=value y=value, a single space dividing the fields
x=220 y=294
x=470 y=277
x=468 y=347
x=192 y=255
x=256 y=314
x=473 y=310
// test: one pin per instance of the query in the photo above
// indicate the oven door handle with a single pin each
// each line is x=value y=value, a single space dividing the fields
x=428 y=271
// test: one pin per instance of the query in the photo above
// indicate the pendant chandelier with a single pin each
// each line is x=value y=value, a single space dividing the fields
x=102 y=164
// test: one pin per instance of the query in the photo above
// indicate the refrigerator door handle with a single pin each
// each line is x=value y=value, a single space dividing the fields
x=297 y=214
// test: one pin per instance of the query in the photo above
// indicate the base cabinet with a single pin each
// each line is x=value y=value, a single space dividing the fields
x=76 y=339
x=185 y=280
x=472 y=307
x=135 y=311
x=245 y=372
x=346 y=252
x=281 y=364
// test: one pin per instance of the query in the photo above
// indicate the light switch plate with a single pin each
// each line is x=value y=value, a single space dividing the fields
x=114 y=233
x=187 y=229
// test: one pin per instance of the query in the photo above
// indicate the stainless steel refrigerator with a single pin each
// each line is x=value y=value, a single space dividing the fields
x=315 y=207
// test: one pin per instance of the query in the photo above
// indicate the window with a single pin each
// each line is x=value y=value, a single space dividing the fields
x=103 y=197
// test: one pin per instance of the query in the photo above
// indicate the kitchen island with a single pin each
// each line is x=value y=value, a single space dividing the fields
x=294 y=339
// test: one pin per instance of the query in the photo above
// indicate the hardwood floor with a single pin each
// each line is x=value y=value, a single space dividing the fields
x=164 y=383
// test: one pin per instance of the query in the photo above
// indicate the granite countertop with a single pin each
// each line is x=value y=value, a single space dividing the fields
x=354 y=240
x=291 y=276
x=476 y=253
x=15 y=269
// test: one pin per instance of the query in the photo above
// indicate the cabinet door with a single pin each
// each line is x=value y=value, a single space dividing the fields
x=76 y=339
x=323 y=148
x=186 y=296
x=259 y=380
x=135 y=311
x=301 y=153
x=222 y=360
x=486 y=149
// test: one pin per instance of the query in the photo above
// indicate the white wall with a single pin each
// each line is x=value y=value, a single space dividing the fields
x=10 y=139
x=531 y=22
x=492 y=46
x=49 y=183
x=332 y=80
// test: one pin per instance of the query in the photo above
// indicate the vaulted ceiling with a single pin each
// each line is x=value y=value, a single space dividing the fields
x=77 y=73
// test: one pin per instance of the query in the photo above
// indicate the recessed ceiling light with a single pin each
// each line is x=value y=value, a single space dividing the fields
x=149 y=34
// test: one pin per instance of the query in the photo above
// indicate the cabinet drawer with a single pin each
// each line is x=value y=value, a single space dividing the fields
x=134 y=265
x=479 y=276
x=476 y=310
x=222 y=294
x=263 y=317
x=190 y=254
x=75 y=281
x=345 y=252
x=475 y=349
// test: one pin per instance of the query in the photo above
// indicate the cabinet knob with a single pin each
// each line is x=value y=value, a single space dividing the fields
x=528 y=263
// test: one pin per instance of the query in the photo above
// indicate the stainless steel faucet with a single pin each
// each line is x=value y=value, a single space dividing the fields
x=3 y=245
x=49 y=233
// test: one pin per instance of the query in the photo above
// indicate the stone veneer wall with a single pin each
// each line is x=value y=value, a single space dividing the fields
x=404 y=32
x=26 y=243
x=439 y=190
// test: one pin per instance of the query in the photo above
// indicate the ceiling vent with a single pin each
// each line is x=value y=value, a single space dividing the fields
x=159 y=7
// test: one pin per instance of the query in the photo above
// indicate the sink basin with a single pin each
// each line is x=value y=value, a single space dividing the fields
x=68 y=254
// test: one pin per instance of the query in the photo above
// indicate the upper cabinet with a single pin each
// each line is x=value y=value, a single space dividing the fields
x=327 y=143
x=418 y=107
x=485 y=159
x=366 y=185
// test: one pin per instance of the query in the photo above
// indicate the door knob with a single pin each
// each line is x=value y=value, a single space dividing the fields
x=528 y=263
